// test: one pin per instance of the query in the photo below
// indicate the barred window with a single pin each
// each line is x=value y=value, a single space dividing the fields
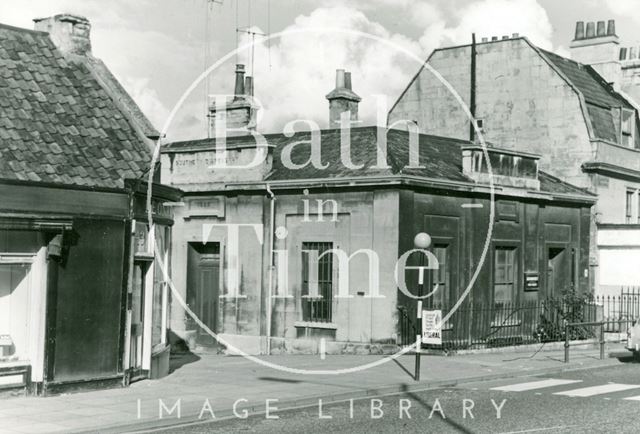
x=317 y=278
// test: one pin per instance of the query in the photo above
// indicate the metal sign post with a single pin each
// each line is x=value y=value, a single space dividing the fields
x=416 y=375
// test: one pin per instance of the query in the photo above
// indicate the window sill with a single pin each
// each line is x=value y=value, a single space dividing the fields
x=316 y=325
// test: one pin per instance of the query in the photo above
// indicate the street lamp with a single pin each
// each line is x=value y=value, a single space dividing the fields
x=421 y=241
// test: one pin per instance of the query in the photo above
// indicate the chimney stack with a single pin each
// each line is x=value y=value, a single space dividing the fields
x=598 y=47
x=239 y=113
x=342 y=99
x=69 y=33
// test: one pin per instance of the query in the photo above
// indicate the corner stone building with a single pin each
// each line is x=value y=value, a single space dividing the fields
x=295 y=211
x=583 y=126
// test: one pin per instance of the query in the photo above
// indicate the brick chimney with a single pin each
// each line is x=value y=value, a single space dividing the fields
x=70 y=33
x=342 y=99
x=239 y=111
x=597 y=45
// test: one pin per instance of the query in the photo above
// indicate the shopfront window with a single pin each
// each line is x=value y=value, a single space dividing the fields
x=162 y=239
x=15 y=288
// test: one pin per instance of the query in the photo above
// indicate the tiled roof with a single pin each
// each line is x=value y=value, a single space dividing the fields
x=57 y=123
x=440 y=156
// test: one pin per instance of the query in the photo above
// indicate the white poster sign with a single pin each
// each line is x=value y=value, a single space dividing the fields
x=432 y=327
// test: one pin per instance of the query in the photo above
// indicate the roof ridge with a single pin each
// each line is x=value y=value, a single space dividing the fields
x=22 y=29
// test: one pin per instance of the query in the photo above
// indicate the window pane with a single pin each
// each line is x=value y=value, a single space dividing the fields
x=14 y=311
x=504 y=275
x=440 y=277
x=627 y=117
x=320 y=273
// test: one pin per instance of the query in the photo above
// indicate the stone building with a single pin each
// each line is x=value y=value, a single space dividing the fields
x=576 y=114
x=294 y=209
x=82 y=301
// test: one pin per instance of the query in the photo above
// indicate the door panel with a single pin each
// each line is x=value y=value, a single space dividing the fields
x=203 y=283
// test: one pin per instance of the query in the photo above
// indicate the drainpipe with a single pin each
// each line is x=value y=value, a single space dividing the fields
x=272 y=212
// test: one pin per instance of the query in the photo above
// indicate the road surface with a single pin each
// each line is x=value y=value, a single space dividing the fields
x=605 y=400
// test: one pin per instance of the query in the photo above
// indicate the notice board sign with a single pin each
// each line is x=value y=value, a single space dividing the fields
x=432 y=327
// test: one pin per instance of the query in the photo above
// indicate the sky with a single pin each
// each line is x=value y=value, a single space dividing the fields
x=159 y=48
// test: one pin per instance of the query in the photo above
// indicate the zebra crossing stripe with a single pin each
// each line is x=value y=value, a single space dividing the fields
x=532 y=385
x=598 y=390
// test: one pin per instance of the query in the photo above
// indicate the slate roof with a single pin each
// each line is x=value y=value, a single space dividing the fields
x=592 y=86
x=440 y=156
x=57 y=123
x=599 y=95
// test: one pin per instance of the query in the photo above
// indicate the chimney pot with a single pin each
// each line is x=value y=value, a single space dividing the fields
x=515 y=35
x=239 y=87
x=485 y=39
x=248 y=86
x=505 y=37
x=579 y=30
x=611 y=28
x=347 y=80
x=494 y=38
x=591 y=30
x=70 y=33
x=601 y=30
x=339 y=78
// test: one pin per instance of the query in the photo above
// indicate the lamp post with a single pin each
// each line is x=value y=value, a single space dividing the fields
x=421 y=241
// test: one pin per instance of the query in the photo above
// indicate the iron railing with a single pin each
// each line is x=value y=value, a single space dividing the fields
x=482 y=325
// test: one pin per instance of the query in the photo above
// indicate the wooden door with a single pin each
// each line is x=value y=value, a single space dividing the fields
x=203 y=283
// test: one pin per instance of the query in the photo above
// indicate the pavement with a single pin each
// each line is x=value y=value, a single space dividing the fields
x=207 y=387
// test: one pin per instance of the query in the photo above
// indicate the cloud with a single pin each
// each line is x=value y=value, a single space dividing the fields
x=294 y=75
x=625 y=8
x=147 y=99
x=494 y=18
x=156 y=64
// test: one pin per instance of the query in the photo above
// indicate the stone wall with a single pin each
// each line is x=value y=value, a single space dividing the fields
x=524 y=103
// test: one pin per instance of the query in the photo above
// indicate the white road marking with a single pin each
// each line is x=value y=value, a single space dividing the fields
x=531 y=385
x=541 y=429
x=471 y=205
x=598 y=390
x=633 y=398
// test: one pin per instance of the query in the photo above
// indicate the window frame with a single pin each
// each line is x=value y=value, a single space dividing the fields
x=515 y=290
x=437 y=276
x=630 y=134
x=630 y=194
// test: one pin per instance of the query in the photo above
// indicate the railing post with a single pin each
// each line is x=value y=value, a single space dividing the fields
x=602 y=341
x=566 y=341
